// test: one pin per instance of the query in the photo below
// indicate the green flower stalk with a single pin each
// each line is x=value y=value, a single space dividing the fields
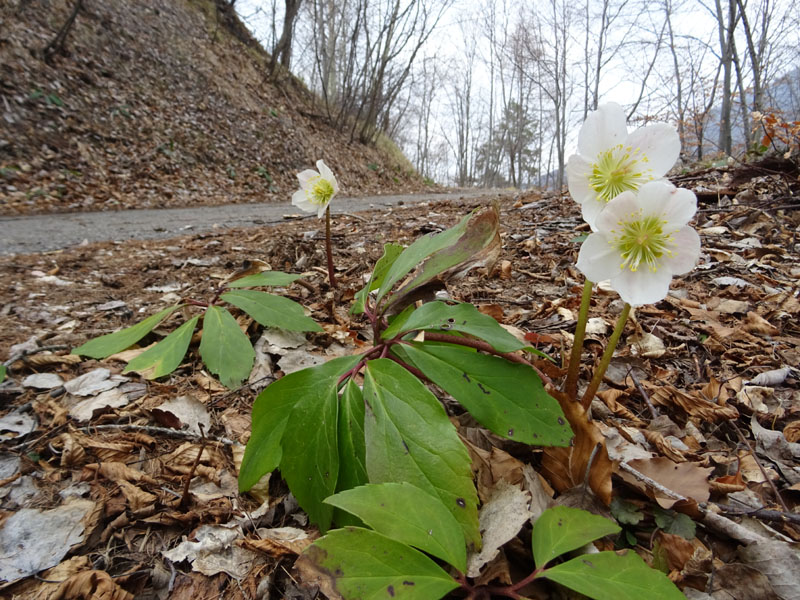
x=317 y=189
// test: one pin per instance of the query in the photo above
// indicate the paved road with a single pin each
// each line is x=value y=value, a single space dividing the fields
x=42 y=233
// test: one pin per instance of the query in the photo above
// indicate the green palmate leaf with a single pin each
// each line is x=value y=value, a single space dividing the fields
x=390 y=253
x=271 y=412
x=464 y=318
x=271 y=310
x=612 y=576
x=264 y=279
x=675 y=523
x=405 y=513
x=111 y=343
x=225 y=350
x=166 y=355
x=409 y=438
x=310 y=462
x=506 y=397
x=364 y=565
x=416 y=252
x=562 y=529
x=625 y=512
x=444 y=251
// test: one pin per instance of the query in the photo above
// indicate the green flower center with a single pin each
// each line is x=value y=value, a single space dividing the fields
x=618 y=170
x=642 y=240
x=321 y=191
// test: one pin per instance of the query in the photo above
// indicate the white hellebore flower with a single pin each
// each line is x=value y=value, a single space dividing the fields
x=316 y=189
x=642 y=240
x=611 y=161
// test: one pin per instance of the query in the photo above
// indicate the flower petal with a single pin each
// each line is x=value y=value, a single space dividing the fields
x=685 y=254
x=321 y=208
x=617 y=209
x=660 y=143
x=305 y=177
x=300 y=200
x=655 y=198
x=602 y=129
x=328 y=174
x=681 y=208
x=578 y=171
x=598 y=260
x=643 y=286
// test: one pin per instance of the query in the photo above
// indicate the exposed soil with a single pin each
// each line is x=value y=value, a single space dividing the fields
x=687 y=357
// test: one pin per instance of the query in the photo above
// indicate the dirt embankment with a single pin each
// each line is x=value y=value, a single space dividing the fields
x=158 y=103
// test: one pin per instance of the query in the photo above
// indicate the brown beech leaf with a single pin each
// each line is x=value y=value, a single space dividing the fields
x=116 y=471
x=663 y=445
x=693 y=404
x=686 y=479
x=755 y=323
x=610 y=398
x=678 y=549
x=90 y=584
x=280 y=541
x=565 y=468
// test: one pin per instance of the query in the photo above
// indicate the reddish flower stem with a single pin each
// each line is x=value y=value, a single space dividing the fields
x=328 y=249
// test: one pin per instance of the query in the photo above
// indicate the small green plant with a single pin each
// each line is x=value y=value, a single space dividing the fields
x=262 y=172
x=411 y=532
x=373 y=166
x=50 y=98
x=328 y=434
x=224 y=348
x=2 y=373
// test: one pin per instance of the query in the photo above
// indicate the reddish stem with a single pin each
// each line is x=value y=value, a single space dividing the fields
x=328 y=249
x=485 y=347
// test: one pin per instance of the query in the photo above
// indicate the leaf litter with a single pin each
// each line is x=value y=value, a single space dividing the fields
x=698 y=419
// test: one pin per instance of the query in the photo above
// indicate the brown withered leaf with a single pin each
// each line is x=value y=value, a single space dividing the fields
x=565 y=468
x=72 y=451
x=792 y=432
x=679 y=550
x=110 y=451
x=728 y=484
x=491 y=466
x=280 y=541
x=137 y=498
x=663 y=445
x=116 y=471
x=755 y=323
x=493 y=310
x=610 y=397
x=46 y=359
x=687 y=479
x=186 y=455
x=90 y=585
x=693 y=404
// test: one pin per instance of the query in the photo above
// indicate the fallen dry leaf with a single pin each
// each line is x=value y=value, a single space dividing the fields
x=566 y=468
x=686 y=479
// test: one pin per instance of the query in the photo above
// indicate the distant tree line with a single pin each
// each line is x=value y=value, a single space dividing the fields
x=495 y=102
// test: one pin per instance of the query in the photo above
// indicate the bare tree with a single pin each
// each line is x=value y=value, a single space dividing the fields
x=727 y=19
x=57 y=43
x=282 y=52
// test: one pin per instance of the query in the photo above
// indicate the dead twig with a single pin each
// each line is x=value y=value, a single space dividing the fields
x=760 y=466
x=644 y=394
x=178 y=433
x=766 y=514
x=185 y=496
